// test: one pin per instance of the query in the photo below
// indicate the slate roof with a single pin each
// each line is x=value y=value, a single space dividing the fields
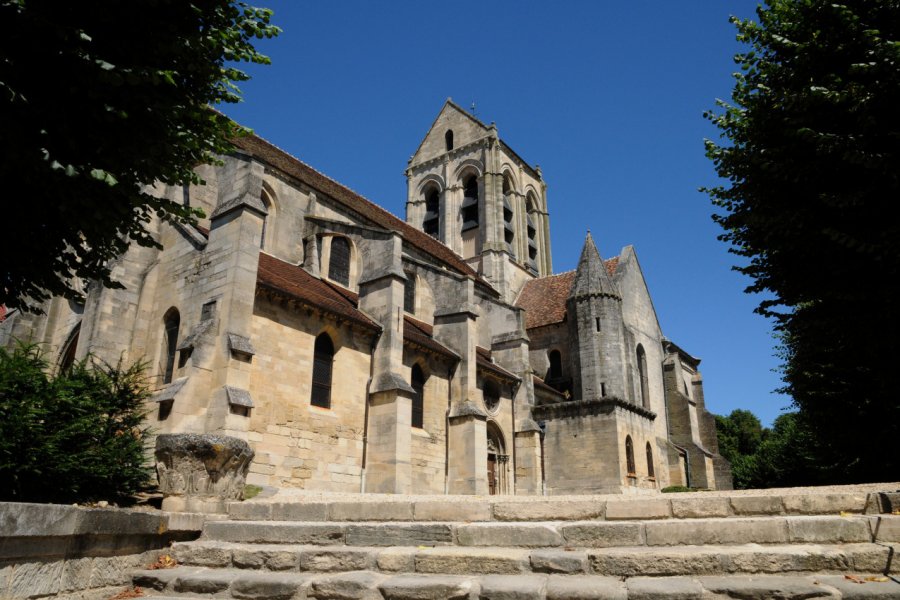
x=422 y=334
x=367 y=209
x=540 y=384
x=283 y=277
x=544 y=298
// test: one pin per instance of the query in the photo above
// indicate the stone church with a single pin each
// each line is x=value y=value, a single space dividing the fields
x=358 y=352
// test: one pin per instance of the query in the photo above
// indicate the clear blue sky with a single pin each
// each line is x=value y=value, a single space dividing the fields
x=607 y=97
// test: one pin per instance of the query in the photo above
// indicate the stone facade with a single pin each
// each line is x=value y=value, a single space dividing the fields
x=354 y=351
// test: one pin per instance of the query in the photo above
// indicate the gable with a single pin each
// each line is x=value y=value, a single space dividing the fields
x=466 y=129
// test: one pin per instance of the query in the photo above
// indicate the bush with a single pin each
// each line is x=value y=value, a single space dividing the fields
x=73 y=437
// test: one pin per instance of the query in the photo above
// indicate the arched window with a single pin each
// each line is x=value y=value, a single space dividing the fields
x=470 y=203
x=531 y=219
x=323 y=358
x=650 y=471
x=171 y=323
x=555 y=370
x=418 y=400
x=509 y=231
x=629 y=456
x=67 y=357
x=432 y=221
x=448 y=138
x=267 y=202
x=339 y=263
x=409 y=293
x=642 y=373
x=491 y=394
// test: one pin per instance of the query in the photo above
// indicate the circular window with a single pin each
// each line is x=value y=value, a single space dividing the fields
x=491 y=394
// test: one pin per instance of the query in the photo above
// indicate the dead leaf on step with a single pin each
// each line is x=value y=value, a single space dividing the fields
x=134 y=592
x=844 y=513
x=854 y=578
x=896 y=512
x=877 y=578
x=164 y=562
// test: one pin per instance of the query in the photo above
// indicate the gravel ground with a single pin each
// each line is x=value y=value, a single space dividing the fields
x=301 y=495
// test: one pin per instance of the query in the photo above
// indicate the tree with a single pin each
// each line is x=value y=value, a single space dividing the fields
x=812 y=147
x=98 y=100
x=740 y=435
x=75 y=436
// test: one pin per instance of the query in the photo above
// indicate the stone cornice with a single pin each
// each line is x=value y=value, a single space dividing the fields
x=587 y=408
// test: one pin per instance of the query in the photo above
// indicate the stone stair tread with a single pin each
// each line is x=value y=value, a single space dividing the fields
x=406 y=586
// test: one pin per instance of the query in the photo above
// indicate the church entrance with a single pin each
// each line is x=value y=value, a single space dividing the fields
x=497 y=461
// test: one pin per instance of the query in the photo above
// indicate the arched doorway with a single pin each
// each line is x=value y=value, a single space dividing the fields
x=497 y=461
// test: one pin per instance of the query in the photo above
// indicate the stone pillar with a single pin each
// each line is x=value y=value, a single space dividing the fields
x=201 y=472
x=389 y=469
x=467 y=472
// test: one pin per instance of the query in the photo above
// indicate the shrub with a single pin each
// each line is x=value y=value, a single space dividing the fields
x=73 y=437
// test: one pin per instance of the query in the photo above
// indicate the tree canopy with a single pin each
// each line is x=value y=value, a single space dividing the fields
x=98 y=100
x=810 y=157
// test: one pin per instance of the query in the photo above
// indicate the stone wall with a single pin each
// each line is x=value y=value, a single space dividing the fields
x=48 y=549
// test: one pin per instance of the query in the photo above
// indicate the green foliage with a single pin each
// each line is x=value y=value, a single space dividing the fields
x=678 y=489
x=251 y=491
x=97 y=100
x=812 y=147
x=73 y=437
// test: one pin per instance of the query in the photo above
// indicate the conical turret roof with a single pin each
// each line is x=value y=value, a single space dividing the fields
x=591 y=276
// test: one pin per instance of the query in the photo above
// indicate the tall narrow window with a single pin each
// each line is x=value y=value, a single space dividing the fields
x=470 y=203
x=418 y=400
x=509 y=231
x=339 y=263
x=555 y=371
x=67 y=358
x=642 y=373
x=409 y=293
x=448 y=139
x=171 y=323
x=531 y=222
x=629 y=456
x=323 y=358
x=650 y=471
x=267 y=202
x=432 y=222
x=491 y=394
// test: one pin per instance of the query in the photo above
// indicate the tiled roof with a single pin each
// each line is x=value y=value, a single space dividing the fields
x=422 y=334
x=291 y=280
x=286 y=163
x=483 y=361
x=544 y=299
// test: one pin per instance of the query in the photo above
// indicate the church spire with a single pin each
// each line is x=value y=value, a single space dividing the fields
x=591 y=277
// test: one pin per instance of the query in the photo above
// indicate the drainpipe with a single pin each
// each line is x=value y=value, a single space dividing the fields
x=365 y=439
x=450 y=373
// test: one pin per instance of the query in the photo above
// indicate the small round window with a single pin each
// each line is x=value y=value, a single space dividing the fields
x=491 y=394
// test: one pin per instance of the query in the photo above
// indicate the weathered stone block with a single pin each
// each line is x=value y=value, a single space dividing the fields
x=398 y=535
x=717 y=531
x=512 y=587
x=549 y=510
x=757 y=505
x=853 y=590
x=886 y=528
x=828 y=530
x=764 y=587
x=637 y=509
x=602 y=534
x=267 y=586
x=348 y=586
x=336 y=560
x=250 y=511
x=585 y=587
x=452 y=511
x=396 y=560
x=36 y=579
x=466 y=561
x=202 y=555
x=427 y=587
x=370 y=511
x=275 y=532
x=663 y=588
x=694 y=508
x=531 y=535
x=299 y=511
x=157 y=579
x=558 y=561
x=203 y=582
x=823 y=504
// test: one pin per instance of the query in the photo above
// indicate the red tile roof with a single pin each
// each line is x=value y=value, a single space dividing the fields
x=284 y=278
x=544 y=299
x=421 y=334
x=286 y=163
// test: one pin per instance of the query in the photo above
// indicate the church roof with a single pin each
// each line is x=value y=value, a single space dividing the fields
x=544 y=298
x=283 y=277
x=591 y=276
x=421 y=334
x=281 y=160
x=485 y=361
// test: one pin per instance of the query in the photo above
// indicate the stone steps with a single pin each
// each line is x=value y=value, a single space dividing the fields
x=185 y=582
x=512 y=508
x=623 y=561
x=588 y=534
